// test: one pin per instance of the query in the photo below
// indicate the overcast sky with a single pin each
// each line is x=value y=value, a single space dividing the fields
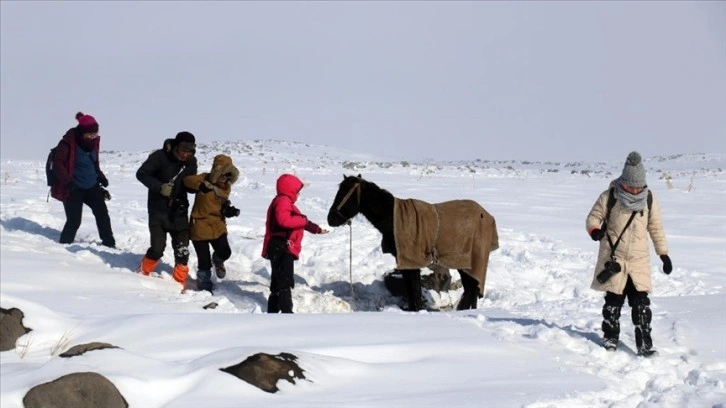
x=450 y=80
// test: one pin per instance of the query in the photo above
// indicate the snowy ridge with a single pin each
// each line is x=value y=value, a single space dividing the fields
x=533 y=341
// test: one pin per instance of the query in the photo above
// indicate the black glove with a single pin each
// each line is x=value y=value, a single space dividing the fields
x=229 y=211
x=106 y=194
x=667 y=265
x=597 y=234
x=103 y=181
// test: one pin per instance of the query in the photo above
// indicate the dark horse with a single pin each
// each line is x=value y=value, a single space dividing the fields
x=457 y=234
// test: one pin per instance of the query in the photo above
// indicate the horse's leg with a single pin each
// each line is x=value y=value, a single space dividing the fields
x=412 y=281
x=471 y=292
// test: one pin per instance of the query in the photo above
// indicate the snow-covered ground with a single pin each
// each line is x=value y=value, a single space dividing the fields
x=533 y=341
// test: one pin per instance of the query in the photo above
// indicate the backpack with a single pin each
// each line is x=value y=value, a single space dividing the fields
x=50 y=176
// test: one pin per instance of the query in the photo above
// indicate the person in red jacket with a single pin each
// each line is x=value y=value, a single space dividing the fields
x=81 y=181
x=282 y=244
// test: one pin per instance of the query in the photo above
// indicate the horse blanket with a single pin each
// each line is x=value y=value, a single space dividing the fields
x=457 y=234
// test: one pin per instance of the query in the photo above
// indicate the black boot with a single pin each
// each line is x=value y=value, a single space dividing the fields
x=273 y=303
x=204 y=280
x=610 y=326
x=642 y=317
x=285 y=301
x=219 y=268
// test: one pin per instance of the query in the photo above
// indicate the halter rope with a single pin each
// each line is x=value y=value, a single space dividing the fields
x=350 y=259
x=355 y=187
x=345 y=199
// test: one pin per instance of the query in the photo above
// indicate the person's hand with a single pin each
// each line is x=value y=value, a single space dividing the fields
x=206 y=187
x=103 y=181
x=324 y=231
x=667 y=265
x=166 y=189
x=106 y=194
x=597 y=234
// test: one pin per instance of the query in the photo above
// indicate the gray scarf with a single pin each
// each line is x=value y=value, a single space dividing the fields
x=633 y=202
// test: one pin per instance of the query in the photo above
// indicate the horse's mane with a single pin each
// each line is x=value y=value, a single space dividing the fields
x=376 y=204
x=372 y=188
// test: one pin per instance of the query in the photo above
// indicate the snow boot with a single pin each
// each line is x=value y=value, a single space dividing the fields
x=610 y=326
x=273 y=303
x=642 y=317
x=219 y=268
x=204 y=280
x=147 y=265
x=180 y=273
x=285 y=296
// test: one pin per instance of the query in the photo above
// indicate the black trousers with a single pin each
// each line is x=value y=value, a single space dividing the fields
x=179 y=242
x=73 y=206
x=221 y=248
x=635 y=297
x=281 y=283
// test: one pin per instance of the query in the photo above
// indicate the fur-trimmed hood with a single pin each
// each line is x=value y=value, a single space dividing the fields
x=222 y=164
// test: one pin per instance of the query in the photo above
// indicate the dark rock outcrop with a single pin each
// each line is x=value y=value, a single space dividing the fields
x=84 y=348
x=77 y=390
x=11 y=328
x=265 y=370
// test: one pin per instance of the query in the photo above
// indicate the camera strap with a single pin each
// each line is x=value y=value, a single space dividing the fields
x=173 y=179
x=170 y=201
x=614 y=246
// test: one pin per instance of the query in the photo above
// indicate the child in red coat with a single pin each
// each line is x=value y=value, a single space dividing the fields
x=284 y=231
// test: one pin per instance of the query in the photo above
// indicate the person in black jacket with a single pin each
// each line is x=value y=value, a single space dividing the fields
x=163 y=174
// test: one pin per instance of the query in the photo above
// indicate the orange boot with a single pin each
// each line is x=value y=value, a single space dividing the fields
x=147 y=266
x=180 y=273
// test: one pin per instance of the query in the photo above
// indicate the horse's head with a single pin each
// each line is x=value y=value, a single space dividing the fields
x=347 y=201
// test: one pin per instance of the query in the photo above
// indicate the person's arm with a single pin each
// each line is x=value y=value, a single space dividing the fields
x=146 y=174
x=596 y=216
x=61 y=156
x=655 y=229
x=286 y=217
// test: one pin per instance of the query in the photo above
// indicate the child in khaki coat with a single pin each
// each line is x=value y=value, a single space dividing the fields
x=208 y=226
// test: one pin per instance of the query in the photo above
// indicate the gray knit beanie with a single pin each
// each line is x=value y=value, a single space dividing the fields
x=633 y=171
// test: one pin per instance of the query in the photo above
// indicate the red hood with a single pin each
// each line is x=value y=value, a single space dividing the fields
x=289 y=185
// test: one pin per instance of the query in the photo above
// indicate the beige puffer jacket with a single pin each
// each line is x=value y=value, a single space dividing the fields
x=206 y=221
x=632 y=253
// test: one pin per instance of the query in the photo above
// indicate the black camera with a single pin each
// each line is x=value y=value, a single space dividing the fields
x=179 y=205
x=611 y=268
x=228 y=210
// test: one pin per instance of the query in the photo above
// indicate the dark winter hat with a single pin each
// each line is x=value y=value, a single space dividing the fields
x=186 y=141
x=633 y=171
x=86 y=123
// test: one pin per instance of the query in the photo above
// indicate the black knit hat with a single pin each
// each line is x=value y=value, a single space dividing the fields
x=186 y=141
x=184 y=137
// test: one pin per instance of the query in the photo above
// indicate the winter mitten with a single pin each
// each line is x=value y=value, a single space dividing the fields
x=667 y=265
x=597 y=234
x=166 y=189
